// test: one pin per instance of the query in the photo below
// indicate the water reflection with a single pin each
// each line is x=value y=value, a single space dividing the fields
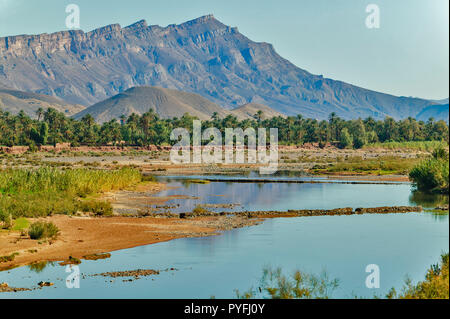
x=39 y=267
x=283 y=196
x=401 y=244
x=428 y=200
x=438 y=216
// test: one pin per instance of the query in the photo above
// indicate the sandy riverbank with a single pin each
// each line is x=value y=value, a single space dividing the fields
x=81 y=236
x=84 y=235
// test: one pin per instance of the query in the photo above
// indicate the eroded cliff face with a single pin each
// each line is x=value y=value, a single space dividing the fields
x=202 y=56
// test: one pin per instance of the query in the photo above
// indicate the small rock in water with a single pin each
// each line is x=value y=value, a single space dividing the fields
x=45 y=284
x=4 y=287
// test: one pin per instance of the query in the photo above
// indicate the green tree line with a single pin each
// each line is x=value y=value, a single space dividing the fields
x=52 y=127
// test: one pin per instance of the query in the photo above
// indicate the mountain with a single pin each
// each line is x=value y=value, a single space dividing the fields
x=441 y=102
x=438 y=112
x=251 y=109
x=202 y=56
x=14 y=101
x=165 y=102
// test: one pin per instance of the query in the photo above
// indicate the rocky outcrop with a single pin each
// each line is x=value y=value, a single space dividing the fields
x=295 y=213
x=389 y=210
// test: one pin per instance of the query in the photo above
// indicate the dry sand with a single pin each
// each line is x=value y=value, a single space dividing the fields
x=81 y=236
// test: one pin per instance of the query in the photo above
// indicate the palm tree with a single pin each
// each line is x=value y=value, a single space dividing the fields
x=259 y=115
x=39 y=113
x=215 y=116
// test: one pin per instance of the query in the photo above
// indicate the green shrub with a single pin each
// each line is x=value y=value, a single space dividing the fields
x=42 y=230
x=432 y=175
x=97 y=208
x=346 y=139
x=6 y=221
x=440 y=153
x=5 y=259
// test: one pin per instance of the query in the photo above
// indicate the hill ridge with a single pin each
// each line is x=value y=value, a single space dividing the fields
x=202 y=56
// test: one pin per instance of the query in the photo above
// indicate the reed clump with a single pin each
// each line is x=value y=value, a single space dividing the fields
x=432 y=175
x=43 y=230
x=47 y=191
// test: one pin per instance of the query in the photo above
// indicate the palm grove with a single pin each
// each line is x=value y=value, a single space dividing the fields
x=51 y=127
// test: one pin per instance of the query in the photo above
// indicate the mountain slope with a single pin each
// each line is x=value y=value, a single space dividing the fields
x=251 y=109
x=441 y=102
x=14 y=101
x=438 y=112
x=165 y=102
x=202 y=56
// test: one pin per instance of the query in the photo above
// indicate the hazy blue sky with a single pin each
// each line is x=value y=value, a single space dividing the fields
x=408 y=55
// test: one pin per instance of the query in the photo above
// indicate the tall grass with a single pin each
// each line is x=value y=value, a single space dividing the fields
x=380 y=166
x=46 y=191
x=80 y=182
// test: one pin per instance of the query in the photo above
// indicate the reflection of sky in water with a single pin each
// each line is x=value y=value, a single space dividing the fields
x=285 y=196
x=402 y=244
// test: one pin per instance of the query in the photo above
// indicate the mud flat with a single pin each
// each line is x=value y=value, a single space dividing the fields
x=87 y=237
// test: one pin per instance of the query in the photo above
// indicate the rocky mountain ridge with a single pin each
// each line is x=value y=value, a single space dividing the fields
x=202 y=56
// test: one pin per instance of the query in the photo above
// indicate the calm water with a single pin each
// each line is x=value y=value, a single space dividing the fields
x=404 y=244
x=285 y=196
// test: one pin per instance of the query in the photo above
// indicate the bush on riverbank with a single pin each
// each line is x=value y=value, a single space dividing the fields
x=432 y=175
x=41 y=230
x=98 y=208
x=47 y=191
x=435 y=285
x=5 y=220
